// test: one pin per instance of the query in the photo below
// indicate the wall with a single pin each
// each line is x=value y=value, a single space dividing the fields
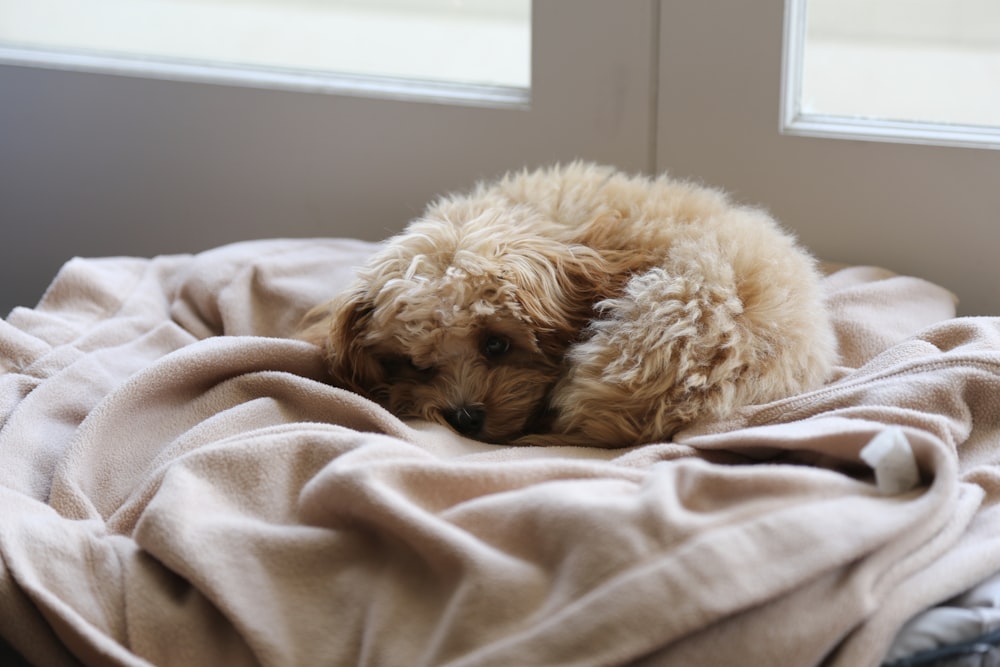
x=102 y=165
x=99 y=165
x=927 y=211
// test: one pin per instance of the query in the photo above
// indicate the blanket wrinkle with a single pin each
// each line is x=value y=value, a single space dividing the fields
x=233 y=290
x=940 y=391
x=161 y=418
x=865 y=302
x=17 y=349
x=923 y=577
x=179 y=486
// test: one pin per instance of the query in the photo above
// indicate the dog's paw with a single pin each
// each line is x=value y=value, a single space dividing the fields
x=666 y=352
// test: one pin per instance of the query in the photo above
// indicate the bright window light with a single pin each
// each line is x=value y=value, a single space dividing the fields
x=926 y=62
x=476 y=42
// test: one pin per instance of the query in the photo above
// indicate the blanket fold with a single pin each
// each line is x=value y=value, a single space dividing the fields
x=179 y=486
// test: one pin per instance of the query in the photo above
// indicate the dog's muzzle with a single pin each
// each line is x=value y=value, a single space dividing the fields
x=465 y=419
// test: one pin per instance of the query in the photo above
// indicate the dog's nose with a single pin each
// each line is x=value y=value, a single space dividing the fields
x=465 y=419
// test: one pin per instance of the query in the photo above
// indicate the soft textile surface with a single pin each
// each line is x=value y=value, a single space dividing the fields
x=972 y=615
x=179 y=487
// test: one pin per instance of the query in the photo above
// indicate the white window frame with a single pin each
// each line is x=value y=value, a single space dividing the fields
x=796 y=122
x=333 y=83
x=271 y=77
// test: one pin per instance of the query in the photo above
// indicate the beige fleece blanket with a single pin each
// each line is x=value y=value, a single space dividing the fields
x=179 y=487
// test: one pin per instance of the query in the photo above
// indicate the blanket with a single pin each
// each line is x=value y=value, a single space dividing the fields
x=180 y=486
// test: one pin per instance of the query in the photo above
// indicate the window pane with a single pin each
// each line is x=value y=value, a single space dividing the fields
x=908 y=60
x=462 y=41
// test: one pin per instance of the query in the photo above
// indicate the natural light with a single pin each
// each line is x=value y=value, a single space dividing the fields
x=478 y=42
x=907 y=61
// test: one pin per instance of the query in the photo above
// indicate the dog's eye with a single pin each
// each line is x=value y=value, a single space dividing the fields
x=495 y=346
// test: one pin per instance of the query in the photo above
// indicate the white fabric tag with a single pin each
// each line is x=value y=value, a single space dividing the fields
x=890 y=455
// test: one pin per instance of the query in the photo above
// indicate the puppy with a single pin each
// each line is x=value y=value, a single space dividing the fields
x=579 y=305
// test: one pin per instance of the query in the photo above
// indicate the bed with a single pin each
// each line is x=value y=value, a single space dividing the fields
x=180 y=486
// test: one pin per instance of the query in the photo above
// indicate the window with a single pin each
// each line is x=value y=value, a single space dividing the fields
x=462 y=50
x=907 y=70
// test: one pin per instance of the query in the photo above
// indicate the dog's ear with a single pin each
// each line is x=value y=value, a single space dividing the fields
x=557 y=288
x=338 y=326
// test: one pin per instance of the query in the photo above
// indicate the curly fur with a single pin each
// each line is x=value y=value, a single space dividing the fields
x=580 y=305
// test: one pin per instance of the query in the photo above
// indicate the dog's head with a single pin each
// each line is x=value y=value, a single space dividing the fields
x=464 y=322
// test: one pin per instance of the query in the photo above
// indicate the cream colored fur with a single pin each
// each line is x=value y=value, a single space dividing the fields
x=580 y=305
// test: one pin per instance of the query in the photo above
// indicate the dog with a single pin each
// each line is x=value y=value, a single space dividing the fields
x=580 y=305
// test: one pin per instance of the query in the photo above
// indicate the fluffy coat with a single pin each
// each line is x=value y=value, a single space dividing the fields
x=580 y=305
